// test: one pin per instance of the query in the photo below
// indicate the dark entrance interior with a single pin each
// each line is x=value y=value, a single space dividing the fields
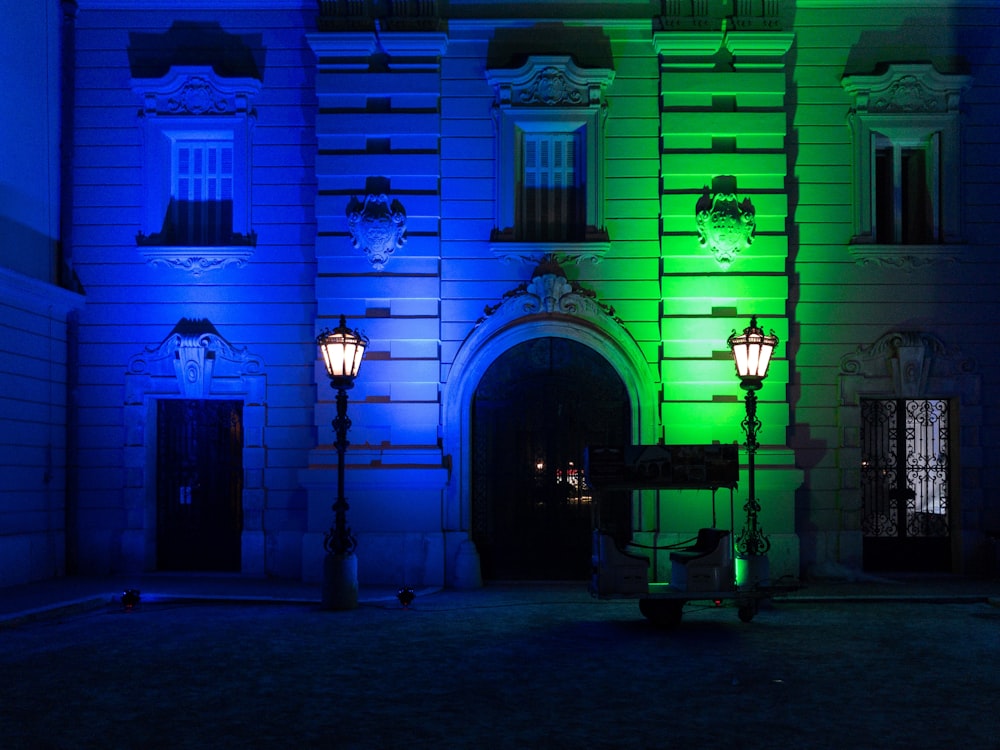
x=535 y=410
x=199 y=484
x=905 y=471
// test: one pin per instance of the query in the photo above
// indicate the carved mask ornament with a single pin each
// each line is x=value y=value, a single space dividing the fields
x=725 y=225
x=377 y=227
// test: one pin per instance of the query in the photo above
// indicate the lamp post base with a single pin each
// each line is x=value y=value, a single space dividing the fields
x=752 y=571
x=340 y=582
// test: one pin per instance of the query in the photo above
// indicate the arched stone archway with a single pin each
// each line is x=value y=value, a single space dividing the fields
x=536 y=409
x=547 y=306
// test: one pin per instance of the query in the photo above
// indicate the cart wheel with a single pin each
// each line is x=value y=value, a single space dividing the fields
x=663 y=613
x=747 y=611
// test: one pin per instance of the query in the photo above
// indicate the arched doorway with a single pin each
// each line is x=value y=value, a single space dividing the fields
x=536 y=408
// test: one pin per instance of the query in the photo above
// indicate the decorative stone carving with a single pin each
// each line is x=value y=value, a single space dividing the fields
x=914 y=88
x=904 y=257
x=563 y=252
x=197 y=355
x=550 y=87
x=195 y=260
x=549 y=291
x=197 y=97
x=193 y=90
x=907 y=364
x=377 y=227
x=550 y=81
x=907 y=94
x=725 y=225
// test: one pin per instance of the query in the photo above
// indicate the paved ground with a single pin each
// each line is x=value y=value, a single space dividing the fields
x=227 y=662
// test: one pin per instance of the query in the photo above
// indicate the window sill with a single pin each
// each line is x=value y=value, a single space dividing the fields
x=906 y=257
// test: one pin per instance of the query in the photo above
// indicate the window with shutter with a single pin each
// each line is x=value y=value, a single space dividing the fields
x=201 y=205
x=905 y=128
x=549 y=200
x=550 y=138
x=197 y=136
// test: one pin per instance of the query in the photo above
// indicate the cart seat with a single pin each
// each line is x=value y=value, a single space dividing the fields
x=705 y=566
x=616 y=571
x=707 y=543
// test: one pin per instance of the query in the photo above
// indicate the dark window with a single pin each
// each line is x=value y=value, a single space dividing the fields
x=550 y=203
x=906 y=202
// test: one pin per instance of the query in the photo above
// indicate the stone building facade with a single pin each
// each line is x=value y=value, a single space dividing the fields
x=547 y=218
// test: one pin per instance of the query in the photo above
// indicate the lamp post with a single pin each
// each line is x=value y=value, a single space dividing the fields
x=752 y=352
x=342 y=350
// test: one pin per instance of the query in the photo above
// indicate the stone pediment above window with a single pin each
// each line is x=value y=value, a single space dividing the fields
x=549 y=115
x=194 y=90
x=906 y=89
x=550 y=81
x=196 y=169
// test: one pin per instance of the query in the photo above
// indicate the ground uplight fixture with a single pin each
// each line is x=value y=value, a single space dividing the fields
x=752 y=352
x=342 y=351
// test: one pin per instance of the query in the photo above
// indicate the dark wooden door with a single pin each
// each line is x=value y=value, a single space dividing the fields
x=535 y=410
x=199 y=470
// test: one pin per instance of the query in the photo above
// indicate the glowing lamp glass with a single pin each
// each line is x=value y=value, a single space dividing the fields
x=752 y=351
x=342 y=350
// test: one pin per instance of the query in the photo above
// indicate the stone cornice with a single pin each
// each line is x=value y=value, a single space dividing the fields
x=693 y=44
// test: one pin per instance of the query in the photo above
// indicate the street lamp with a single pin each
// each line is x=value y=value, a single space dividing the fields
x=752 y=351
x=342 y=350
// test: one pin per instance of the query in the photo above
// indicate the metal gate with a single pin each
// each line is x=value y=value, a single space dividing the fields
x=905 y=484
x=199 y=484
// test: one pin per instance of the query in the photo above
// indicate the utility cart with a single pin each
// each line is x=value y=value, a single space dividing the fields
x=706 y=568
